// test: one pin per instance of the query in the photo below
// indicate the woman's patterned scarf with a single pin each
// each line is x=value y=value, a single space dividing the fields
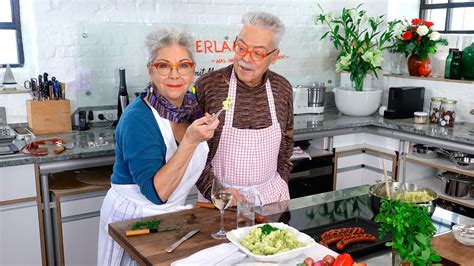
x=187 y=113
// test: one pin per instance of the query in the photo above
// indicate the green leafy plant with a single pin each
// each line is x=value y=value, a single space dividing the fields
x=151 y=224
x=411 y=229
x=359 y=40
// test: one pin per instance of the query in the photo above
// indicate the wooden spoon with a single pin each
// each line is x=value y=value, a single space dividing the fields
x=386 y=178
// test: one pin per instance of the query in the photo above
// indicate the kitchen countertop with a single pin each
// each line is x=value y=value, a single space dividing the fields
x=98 y=142
x=301 y=213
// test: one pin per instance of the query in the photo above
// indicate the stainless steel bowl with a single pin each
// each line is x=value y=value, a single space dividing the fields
x=378 y=191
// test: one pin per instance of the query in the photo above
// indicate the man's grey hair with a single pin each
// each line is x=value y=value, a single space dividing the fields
x=166 y=37
x=267 y=21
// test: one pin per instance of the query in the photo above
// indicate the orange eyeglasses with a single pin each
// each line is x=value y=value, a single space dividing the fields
x=256 y=54
x=164 y=68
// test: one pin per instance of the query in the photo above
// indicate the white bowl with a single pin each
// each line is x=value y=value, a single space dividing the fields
x=464 y=233
x=236 y=235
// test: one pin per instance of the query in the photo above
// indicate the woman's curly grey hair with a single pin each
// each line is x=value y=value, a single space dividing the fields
x=166 y=37
x=266 y=21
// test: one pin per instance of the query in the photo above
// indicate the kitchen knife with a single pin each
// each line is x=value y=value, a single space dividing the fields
x=179 y=242
x=211 y=206
x=146 y=231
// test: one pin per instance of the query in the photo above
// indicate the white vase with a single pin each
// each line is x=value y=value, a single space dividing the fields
x=357 y=103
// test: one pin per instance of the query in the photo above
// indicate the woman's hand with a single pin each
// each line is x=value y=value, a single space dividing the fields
x=201 y=129
x=236 y=196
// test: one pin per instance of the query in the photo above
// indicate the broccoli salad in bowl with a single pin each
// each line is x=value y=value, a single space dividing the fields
x=269 y=240
x=272 y=242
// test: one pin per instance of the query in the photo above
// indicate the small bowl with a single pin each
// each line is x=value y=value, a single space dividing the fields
x=464 y=233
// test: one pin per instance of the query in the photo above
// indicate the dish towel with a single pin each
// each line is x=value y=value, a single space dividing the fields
x=223 y=254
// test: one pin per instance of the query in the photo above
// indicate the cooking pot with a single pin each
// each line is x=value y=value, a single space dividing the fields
x=458 y=185
x=424 y=151
x=460 y=159
x=378 y=191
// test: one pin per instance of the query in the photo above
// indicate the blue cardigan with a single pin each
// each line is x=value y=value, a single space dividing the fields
x=140 y=149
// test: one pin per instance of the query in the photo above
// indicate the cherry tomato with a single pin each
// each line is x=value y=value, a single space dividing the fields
x=344 y=260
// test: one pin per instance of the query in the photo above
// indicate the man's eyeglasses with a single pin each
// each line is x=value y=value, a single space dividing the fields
x=257 y=54
x=164 y=68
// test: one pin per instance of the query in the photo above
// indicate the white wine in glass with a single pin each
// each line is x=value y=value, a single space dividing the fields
x=222 y=199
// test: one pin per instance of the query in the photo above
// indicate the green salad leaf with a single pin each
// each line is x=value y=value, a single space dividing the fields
x=267 y=229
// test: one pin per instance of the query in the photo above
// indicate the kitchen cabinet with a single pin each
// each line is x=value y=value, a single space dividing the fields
x=428 y=169
x=21 y=241
x=76 y=214
x=357 y=159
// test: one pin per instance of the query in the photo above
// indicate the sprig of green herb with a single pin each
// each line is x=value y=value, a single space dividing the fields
x=152 y=224
x=267 y=229
x=411 y=229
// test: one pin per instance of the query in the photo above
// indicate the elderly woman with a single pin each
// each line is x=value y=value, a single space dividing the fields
x=161 y=145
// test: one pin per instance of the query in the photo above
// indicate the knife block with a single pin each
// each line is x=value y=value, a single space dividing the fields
x=49 y=117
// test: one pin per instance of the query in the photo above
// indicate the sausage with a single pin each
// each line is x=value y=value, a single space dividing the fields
x=332 y=240
x=342 y=231
x=347 y=240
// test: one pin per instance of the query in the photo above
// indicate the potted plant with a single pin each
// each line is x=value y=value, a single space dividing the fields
x=417 y=40
x=360 y=43
x=411 y=229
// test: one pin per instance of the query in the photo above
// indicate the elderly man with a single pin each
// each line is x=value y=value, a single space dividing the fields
x=253 y=145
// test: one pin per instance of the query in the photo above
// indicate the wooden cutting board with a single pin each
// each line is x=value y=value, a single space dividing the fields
x=448 y=247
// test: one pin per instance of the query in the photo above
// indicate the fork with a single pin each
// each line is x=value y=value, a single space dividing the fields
x=214 y=116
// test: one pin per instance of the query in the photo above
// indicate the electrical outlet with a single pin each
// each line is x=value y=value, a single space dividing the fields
x=108 y=114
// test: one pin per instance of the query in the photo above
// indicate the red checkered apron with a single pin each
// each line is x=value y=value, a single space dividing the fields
x=249 y=157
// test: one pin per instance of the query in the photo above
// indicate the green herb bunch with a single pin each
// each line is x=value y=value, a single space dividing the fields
x=151 y=224
x=360 y=41
x=411 y=229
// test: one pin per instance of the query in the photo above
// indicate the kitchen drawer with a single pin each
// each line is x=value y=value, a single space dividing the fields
x=17 y=182
x=350 y=160
x=80 y=241
x=82 y=203
x=349 y=179
x=20 y=241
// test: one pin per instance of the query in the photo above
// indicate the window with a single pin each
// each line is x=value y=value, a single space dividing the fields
x=449 y=16
x=11 y=51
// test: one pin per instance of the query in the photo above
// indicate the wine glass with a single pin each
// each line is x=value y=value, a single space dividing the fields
x=222 y=199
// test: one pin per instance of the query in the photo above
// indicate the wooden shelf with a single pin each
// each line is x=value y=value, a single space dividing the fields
x=439 y=163
x=366 y=147
x=438 y=186
x=313 y=152
x=441 y=79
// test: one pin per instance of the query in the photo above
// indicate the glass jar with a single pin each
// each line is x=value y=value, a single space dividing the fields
x=421 y=117
x=448 y=113
x=435 y=106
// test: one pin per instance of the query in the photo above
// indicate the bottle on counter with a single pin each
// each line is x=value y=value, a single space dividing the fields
x=455 y=70
x=468 y=62
x=122 y=95
x=448 y=113
x=435 y=106
x=447 y=65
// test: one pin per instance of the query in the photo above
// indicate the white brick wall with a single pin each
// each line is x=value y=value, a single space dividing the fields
x=52 y=42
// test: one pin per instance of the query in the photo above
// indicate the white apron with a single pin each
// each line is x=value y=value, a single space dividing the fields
x=249 y=157
x=125 y=202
